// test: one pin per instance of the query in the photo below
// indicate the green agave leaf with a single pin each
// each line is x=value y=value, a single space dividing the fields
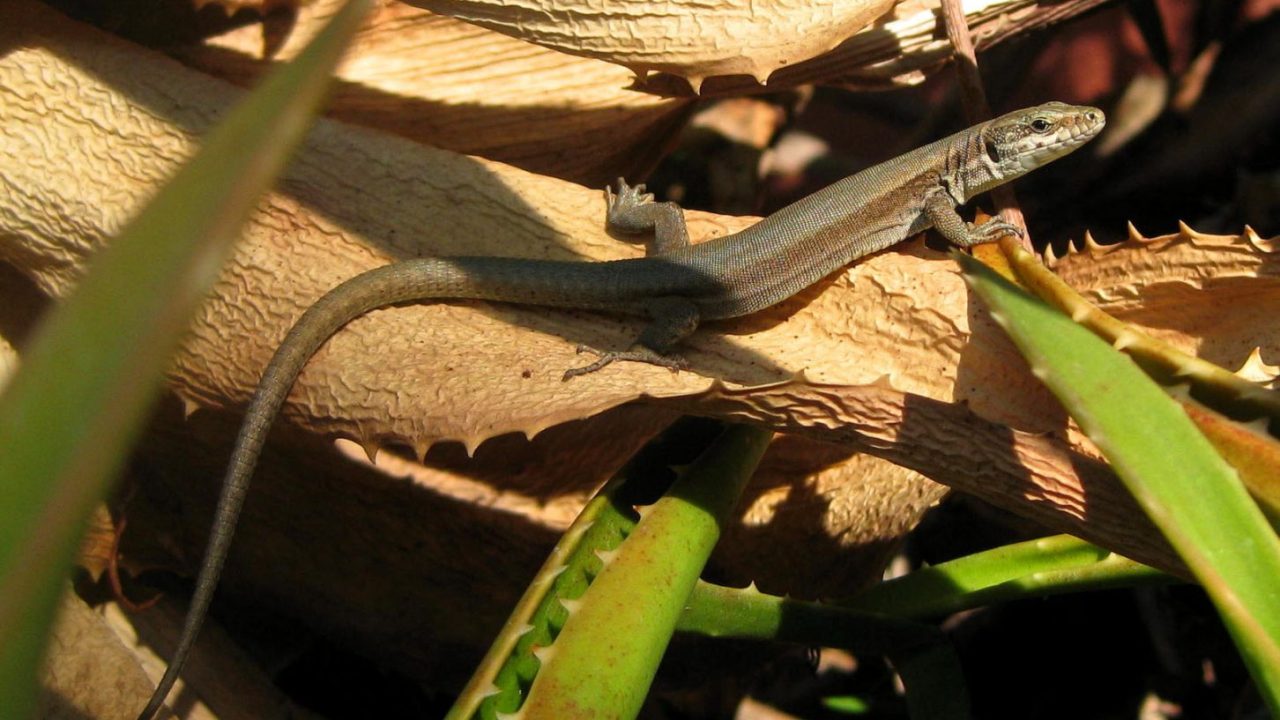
x=922 y=655
x=501 y=682
x=1245 y=446
x=604 y=659
x=1189 y=491
x=1035 y=568
x=94 y=367
x=1249 y=449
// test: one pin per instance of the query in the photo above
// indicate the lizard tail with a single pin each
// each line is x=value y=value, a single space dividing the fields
x=387 y=285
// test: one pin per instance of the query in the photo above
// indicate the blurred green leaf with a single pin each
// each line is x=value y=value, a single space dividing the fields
x=846 y=704
x=90 y=374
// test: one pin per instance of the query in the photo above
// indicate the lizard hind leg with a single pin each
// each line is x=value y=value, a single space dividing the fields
x=633 y=211
x=673 y=320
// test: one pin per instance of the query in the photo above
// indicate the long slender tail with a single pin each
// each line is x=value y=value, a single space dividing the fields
x=387 y=285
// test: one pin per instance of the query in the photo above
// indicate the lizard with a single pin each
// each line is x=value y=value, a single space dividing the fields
x=676 y=285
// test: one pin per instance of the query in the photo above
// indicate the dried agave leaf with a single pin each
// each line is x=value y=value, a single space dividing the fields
x=900 y=48
x=820 y=520
x=1210 y=295
x=690 y=39
x=469 y=371
x=1047 y=478
x=869 y=43
x=284 y=252
x=455 y=86
x=88 y=672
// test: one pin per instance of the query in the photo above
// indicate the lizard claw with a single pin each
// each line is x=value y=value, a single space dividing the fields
x=992 y=230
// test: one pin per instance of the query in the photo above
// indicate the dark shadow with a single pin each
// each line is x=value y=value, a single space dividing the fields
x=322 y=554
x=159 y=24
x=24 y=305
x=55 y=706
x=821 y=565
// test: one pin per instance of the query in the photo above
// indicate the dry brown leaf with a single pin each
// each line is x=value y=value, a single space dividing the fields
x=416 y=74
x=1213 y=296
x=219 y=681
x=757 y=39
x=689 y=39
x=456 y=86
x=98 y=543
x=88 y=673
x=820 y=520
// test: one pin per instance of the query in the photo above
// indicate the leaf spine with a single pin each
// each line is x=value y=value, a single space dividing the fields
x=544 y=653
x=1048 y=256
x=1092 y=245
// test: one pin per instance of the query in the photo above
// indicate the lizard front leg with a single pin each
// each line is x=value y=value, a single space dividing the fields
x=633 y=211
x=941 y=211
x=673 y=320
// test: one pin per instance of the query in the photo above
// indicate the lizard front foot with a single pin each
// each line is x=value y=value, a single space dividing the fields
x=638 y=354
x=990 y=231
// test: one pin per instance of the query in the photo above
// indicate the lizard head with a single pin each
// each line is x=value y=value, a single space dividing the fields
x=1023 y=140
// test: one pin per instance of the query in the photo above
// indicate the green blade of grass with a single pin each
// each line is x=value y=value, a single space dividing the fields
x=1188 y=490
x=91 y=372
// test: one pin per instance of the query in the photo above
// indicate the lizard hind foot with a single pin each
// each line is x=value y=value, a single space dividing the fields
x=642 y=354
x=620 y=207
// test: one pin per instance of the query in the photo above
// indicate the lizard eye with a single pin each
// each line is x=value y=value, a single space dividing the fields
x=1040 y=125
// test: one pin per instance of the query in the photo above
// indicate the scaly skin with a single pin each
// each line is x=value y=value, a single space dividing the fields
x=678 y=284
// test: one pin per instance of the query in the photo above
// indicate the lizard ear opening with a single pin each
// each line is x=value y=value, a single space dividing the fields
x=993 y=152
